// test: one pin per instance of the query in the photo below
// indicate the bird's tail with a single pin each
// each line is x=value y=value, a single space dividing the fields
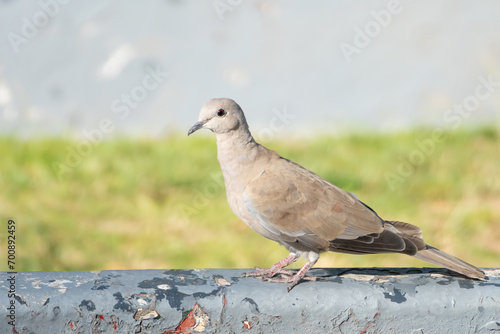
x=437 y=257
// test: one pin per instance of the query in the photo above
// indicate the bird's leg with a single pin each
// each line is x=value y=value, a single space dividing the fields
x=276 y=268
x=301 y=274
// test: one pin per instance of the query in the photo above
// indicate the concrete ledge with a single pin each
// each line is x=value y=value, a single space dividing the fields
x=378 y=300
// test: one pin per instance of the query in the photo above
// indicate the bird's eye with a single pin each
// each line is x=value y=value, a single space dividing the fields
x=221 y=113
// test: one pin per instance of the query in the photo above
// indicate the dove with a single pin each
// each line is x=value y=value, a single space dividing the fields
x=287 y=203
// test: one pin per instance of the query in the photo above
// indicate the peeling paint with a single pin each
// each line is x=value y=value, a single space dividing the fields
x=88 y=304
x=381 y=280
x=391 y=300
x=247 y=324
x=466 y=284
x=492 y=272
x=357 y=277
x=122 y=304
x=145 y=305
x=395 y=295
x=201 y=318
x=196 y=320
x=220 y=281
x=370 y=327
x=164 y=287
x=59 y=284
x=438 y=275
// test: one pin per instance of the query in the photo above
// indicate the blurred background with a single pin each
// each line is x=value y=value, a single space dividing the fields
x=395 y=101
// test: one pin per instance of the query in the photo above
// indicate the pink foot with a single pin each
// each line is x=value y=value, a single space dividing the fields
x=285 y=276
x=275 y=268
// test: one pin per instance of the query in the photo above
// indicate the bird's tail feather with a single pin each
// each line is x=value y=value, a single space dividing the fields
x=437 y=257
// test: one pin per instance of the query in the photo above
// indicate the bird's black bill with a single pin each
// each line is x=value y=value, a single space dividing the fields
x=196 y=127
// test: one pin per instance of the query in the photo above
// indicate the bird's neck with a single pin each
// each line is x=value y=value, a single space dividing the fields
x=236 y=151
x=235 y=146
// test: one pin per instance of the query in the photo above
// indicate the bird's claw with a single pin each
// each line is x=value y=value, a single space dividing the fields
x=267 y=273
x=281 y=276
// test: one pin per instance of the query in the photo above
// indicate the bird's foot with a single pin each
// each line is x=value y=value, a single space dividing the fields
x=284 y=275
x=266 y=273
x=276 y=268
x=279 y=276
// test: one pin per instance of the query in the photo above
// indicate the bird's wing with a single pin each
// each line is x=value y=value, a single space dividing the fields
x=294 y=204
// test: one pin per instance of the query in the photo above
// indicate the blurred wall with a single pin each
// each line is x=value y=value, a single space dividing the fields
x=145 y=68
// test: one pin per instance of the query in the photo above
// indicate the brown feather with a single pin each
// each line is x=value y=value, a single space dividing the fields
x=295 y=201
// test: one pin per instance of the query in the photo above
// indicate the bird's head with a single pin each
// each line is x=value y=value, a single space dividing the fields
x=220 y=115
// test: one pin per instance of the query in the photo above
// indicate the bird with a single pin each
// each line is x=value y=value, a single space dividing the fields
x=293 y=206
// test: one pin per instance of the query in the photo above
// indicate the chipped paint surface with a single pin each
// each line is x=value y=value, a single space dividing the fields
x=366 y=300
x=145 y=304
x=164 y=287
x=201 y=319
x=195 y=321
x=247 y=324
x=221 y=281
x=365 y=278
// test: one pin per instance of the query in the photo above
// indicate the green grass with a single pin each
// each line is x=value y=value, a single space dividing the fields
x=137 y=204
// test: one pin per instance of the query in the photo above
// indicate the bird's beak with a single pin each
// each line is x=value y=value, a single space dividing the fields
x=196 y=126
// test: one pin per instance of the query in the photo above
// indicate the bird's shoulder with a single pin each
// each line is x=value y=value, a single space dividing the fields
x=292 y=198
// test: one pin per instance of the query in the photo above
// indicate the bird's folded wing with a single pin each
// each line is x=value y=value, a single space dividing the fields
x=293 y=203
